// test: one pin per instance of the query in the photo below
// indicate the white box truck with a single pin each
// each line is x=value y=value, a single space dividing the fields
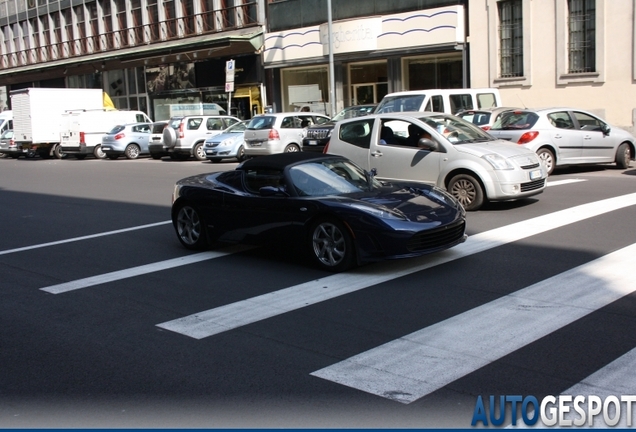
x=83 y=130
x=37 y=115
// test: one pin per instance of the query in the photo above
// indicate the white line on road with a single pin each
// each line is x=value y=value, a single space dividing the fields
x=415 y=365
x=563 y=182
x=234 y=315
x=10 y=251
x=141 y=270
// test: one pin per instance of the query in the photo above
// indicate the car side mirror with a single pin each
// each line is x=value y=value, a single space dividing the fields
x=267 y=191
x=427 y=144
x=606 y=129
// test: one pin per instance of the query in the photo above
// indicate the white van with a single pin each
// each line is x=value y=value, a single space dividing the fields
x=83 y=129
x=449 y=101
x=6 y=121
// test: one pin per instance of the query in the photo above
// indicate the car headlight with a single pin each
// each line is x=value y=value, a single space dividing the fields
x=381 y=212
x=498 y=162
x=226 y=142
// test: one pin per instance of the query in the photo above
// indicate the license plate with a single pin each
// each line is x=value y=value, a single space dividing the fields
x=312 y=142
x=210 y=152
x=105 y=148
x=536 y=174
x=256 y=144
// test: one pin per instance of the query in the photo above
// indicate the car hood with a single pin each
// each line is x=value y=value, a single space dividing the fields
x=224 y=136
x=503 y=148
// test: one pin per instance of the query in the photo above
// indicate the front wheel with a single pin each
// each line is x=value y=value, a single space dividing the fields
x=132 y=151
x=467 y=190
x=623 y=156
x=291 y=148
x=331 y=245
x=240 y=154
x=58 y=153
x=190 y=228
x=98 y=153
x=199 y=152
x=547 y=159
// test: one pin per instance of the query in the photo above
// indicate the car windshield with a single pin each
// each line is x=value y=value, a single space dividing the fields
x=331 y=177
x=354 y=111
x=400 y=103
x=456 y=130
x=515 y=120
x=236 y=128
x=262 y=122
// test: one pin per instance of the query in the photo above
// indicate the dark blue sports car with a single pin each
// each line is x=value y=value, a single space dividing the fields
x=342 y=213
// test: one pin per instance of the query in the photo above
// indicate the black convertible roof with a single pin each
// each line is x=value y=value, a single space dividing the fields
x=281 y=160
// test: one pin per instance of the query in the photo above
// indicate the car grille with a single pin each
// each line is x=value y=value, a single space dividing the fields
x=527 y=167
x=212 y=144
x=437 y=238
x=534 y=185
x=318 y=133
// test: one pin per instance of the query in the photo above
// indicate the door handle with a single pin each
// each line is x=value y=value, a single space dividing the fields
x=376 y=154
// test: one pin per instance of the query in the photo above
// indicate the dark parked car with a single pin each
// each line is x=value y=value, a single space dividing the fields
x=317 y=136
x=340 y=213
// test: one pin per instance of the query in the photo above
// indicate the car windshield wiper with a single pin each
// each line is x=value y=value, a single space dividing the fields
x=474 y=140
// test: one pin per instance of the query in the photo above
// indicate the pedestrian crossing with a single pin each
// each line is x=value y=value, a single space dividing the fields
x=415 y=365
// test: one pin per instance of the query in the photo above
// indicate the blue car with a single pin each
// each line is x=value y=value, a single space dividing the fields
x=340 y=214
x=228 y=144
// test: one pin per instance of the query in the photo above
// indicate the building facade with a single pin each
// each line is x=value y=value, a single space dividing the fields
x=542 y=53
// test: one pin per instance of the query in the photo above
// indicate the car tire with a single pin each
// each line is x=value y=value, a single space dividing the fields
x=216 y=160
x=199 y=152
x=467 y=190
x=58 y=153
x=132 y=151
x=240 y=154
x=80 y=156
x=155 y=156
x=190 y=227
x=169 y=136
x=547 y=159
x=291 y=148
x=331 y=245
x=623 y=156
x=98 y=153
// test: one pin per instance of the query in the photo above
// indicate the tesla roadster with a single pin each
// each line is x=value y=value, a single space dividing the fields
x=341 y=213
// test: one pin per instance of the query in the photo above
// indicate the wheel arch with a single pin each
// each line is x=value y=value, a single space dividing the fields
x=553 y=149
x=485 y=186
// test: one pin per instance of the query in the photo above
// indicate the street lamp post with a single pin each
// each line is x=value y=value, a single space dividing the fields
x=332 y=79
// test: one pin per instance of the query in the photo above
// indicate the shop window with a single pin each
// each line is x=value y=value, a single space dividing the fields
x=433 y=71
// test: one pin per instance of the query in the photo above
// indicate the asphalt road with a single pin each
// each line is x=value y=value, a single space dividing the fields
x=106 y=321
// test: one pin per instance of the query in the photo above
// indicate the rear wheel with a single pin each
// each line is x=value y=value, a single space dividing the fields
x=467 y=190
x=132 y=151
x=292 y=148
x=190 y=228
x=547 y=158
x=58 y=153
x=240 y=154
x=623 y=156
x=199 y=152
x=331 y=245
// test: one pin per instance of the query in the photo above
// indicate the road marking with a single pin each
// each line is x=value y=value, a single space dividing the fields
x=141 y=270
x=10 y=251
x=234 y=315
x=422 y=362
x=562 y=182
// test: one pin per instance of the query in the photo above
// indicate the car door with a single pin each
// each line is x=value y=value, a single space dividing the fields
x=142 y=136
x=567 y=140
x=597 y=147
x=399 y=161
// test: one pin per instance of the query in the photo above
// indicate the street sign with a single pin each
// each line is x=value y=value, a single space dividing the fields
x=229 y=70
x=229 y=87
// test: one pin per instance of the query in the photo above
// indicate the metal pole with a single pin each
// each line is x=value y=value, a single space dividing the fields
x=332 y=78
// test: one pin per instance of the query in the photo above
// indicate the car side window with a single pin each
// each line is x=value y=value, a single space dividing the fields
x=460 y=102
x=561 y=120
x=194 y=123
x=255 y=179
x=288 y=123
x=214 y=124
x=357 y=133
x=233 y=179
x=435 y=103
x=322 y=120
x=140 y=117
x=230 y=122
x=587 y=122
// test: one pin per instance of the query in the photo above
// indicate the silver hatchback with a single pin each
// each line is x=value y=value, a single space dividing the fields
x=278 y=133
x=130 y=140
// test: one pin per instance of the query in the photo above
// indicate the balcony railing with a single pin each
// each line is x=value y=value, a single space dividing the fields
x=227 y=19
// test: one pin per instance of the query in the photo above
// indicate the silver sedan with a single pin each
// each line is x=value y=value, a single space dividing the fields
x=566 y=136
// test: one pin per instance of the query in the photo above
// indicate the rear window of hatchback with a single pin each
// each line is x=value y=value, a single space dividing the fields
x=264 y=122
x=516 y=120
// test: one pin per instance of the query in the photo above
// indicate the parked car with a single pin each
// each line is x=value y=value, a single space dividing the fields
x=347 y=217
x=229 y=144
x=280 y=132
x=566 y=136
x=316 y=136
x=485 y=117
x=130 y=140
x=6 y=142
x=185 y=135
x=156 y=148
x=460 y=157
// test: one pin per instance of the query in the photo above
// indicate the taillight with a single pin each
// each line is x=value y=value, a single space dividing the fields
x=273 y=134
x=181 y=130
x=326 y=149
x=527 y=137
x=485 y=127
x=82 y=138
x=119 y=136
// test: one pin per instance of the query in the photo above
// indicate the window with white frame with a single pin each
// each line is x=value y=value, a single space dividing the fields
x=581 y=36
x=510 y=38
